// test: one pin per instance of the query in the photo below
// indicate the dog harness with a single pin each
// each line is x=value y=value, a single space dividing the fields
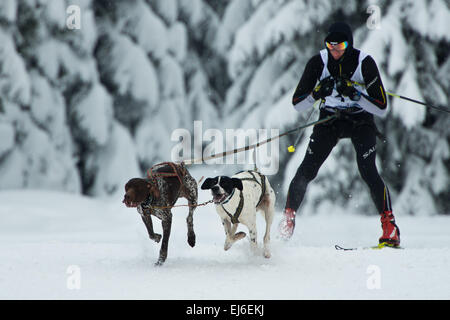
x=262 y=184
x=235 y=217
x=147 y=205
x=177 y=171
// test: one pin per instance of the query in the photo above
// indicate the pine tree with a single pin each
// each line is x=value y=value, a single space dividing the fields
x=84 y=110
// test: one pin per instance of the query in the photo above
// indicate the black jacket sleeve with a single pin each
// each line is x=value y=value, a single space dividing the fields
x=375 y=102
x=302 y=98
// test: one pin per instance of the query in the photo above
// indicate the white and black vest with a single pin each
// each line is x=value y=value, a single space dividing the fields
x=335 y=101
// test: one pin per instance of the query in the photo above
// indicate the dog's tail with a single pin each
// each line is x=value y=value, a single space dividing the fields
x=184 y=170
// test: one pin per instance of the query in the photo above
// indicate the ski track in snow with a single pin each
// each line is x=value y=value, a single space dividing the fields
x=43 y=233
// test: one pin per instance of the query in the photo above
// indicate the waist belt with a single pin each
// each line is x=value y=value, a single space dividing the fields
x=343 y=109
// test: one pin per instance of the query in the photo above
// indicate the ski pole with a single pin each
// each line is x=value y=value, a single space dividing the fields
x=291 y=148
x=406 y=98
x=418 y=102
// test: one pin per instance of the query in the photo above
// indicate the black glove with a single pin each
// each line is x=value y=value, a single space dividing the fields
x=323 y=89
x=345 y=88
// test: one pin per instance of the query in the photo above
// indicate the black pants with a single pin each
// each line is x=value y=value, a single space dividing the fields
x=360 y=128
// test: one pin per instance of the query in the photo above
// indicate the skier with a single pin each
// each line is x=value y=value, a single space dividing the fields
x=351 y=88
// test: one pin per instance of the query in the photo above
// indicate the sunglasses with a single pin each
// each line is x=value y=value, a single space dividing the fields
x=336 y=46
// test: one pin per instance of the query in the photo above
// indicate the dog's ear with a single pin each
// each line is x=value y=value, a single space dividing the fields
x=209 y=183
x=237 y=183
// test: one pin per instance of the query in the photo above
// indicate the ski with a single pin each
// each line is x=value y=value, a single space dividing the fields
x=377 y=247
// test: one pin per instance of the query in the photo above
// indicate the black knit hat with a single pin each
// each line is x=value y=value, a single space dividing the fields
x=339 y=32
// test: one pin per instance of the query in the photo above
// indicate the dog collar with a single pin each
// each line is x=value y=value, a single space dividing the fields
x=228 y=198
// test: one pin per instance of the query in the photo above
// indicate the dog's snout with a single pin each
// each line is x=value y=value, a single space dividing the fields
x=215 y=189
x=127 y=200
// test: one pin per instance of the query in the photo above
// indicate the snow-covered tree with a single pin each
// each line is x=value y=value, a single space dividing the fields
x=83 y=110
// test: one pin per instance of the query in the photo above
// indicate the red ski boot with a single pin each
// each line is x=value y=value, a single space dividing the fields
x=391 y=233
x=287 y=224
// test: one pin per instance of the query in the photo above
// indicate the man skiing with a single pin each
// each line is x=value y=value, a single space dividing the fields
x=349 y=87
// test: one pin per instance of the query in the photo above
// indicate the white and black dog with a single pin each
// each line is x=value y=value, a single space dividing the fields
x=237 y=199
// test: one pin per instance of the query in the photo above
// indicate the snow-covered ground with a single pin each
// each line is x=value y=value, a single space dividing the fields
x=62 y=246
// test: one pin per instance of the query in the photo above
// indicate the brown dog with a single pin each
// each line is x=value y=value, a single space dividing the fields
x=157 y=194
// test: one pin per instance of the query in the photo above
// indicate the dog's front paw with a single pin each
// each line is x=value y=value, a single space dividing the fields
x=162 y=258
x=191 y=239
x=240 y=235
x=227 y=245
x=156 y=237
x=159 y=263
